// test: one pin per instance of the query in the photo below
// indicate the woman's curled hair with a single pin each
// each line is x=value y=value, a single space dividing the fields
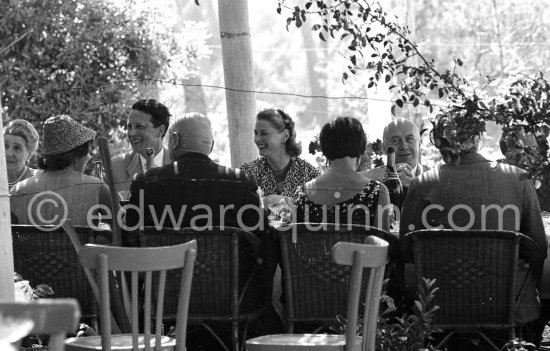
x=280 y=120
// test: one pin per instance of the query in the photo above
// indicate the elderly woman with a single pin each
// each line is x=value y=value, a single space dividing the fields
x=279 y=170
x=20 y=141
x=62 y=190
x=470 y=181
x=341 y=194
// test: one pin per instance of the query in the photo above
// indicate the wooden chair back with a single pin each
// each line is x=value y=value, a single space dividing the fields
x=55 y=317
x=371 y=255
x=316 y=288
x=224 y=275
x=143 y=262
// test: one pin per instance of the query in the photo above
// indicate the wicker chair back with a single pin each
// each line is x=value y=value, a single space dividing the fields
x=48 y=257
x=316 y=288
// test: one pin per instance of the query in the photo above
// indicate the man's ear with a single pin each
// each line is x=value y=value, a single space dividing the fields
x=211 y=147
x=162 y=129
x=477 y=141
x=173 y=141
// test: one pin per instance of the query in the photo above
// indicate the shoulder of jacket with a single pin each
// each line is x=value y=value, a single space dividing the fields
x=122 y=157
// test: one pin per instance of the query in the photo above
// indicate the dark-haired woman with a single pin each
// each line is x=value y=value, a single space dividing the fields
x=62 y=191
x=279 y=170
x=342 y=195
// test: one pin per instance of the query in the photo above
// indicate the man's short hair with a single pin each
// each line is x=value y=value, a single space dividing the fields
x=195 y=131
x=159 y=113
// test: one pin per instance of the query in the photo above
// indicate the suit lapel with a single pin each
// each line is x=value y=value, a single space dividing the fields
x=134 y=166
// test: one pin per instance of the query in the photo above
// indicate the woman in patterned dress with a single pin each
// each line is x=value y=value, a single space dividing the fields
x=278 y=170
x=342 y=195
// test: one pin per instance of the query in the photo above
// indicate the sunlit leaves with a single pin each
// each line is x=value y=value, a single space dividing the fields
x=378 y=45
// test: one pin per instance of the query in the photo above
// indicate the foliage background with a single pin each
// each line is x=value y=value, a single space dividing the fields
x=94 y=59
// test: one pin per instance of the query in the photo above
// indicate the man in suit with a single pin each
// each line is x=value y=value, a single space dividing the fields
x=147 y=124
x=456 y=194
x=404 y=136
x=201 y=193
x=194 y=185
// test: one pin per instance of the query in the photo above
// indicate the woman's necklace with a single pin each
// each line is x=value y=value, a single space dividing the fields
x=11 y=184
x=281 y=174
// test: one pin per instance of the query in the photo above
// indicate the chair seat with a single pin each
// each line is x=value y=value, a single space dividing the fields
x=118 y=342
x=290 y=342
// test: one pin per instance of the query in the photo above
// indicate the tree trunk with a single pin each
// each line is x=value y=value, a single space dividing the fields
x=6 y=249
x=239 y=79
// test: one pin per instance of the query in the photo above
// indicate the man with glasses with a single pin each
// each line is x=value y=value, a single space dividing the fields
x=147 y=124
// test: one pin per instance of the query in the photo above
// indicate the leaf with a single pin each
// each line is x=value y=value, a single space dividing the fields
x=316 y=27
x=482 y=104
x=441 y=93
x=344 y=76
x=393 y=110
x=388 y=78
x=416 y=102
x=353 y=59
x=321 y=36
x=351 y=47
x=371 y=84
x=399 y=103
x=298 y=22
x=197 y=2
x=279 y=10
x=308 y=5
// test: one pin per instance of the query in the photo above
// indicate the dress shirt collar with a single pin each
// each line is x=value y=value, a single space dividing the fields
x=157 y=160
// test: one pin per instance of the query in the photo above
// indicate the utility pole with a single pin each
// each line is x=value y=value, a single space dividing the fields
x=6 y=249
x=239 y=79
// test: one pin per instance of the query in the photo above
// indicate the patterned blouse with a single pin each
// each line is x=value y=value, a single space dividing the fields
x=300 y=172
x=366 y=199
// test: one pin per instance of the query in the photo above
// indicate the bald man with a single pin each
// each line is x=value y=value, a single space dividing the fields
x=193 y=179
x=194 y=191
x=404 y=136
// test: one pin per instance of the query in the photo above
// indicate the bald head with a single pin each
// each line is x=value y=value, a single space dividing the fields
x=404 y=136
x=191 y=132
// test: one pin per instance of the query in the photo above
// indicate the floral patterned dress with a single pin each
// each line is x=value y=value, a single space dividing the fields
x=300 y=172
x=360 y=209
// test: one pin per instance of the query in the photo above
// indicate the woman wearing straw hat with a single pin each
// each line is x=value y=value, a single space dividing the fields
x=62 y=191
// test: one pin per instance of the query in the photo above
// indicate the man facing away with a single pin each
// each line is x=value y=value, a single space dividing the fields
x=472 y=183
x=147 y=124
x=201 y=193
x=404 y=136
